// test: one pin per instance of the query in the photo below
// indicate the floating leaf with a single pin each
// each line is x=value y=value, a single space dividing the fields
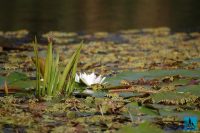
x=145 y=127
x=16 y=82
x=152 y=74
x=173 y=98
x=192 y=89
x=135 y=109
x=16 y=76
x=2 y=80
x=27 y=84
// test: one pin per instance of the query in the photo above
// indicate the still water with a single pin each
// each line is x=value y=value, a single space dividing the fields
x=39 y=16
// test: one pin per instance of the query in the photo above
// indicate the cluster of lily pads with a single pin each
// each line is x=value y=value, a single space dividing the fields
x=154 y=81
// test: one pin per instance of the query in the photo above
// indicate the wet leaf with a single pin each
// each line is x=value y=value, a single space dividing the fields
x=142 y=128
x=26 y=85
x=152 y=74
x=2 y=80
x=137 y=110
x=17 y=82
x=173 y=98
x=16 y=76
x=192 y=89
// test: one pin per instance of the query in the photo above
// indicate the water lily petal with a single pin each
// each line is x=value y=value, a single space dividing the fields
x=86 y=81
x=98 y=79
x=89 y=79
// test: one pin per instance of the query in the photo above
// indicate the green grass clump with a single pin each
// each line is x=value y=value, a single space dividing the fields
x=54 y=82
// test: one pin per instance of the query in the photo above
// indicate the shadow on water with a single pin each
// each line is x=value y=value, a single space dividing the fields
x=99 y=15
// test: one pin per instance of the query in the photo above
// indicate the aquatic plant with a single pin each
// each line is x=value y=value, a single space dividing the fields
x=89 y=79
x=50 y=81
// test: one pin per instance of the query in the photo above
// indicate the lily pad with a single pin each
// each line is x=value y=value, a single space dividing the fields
x=128 y=94
x=142 y=128
x=17 y=81
x=173 y=98
x=135 y=109
x=2 y=79
x=192 y=89
x=23 y=84
x=152 y=74
x=16 y=76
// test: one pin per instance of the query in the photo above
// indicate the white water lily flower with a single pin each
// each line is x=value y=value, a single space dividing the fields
x=89 y=79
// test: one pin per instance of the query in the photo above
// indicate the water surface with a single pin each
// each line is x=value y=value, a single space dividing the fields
x=40 y=16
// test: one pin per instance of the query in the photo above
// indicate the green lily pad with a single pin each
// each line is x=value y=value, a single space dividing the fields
x=23 y=84
x=193 y=60
x=179 y=115
x=152 y=74
x=192 y=89
x=17 y=80
x=177 y=82
x=189 y=113
x=173 y=98
x=16 y=76
x=145 y=127
x=2 y=79
x=129 y=94
x=135 y=109
x=99 y=94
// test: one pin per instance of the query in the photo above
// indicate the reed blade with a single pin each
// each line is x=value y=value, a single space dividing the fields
x=38 y=90
x=66 y=73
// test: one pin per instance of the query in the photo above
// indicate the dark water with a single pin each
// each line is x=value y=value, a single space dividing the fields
x=40 y=16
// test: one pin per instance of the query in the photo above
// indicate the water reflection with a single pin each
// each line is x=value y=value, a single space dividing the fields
x=98 y=15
